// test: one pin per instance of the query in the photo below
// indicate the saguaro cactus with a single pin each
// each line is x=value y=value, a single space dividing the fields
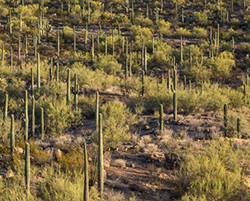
x=74 y=38
x=225 y=120
x=6 y=104
x=143 y=83
x=26 y=111
x=100 y=158
x=161 y=119
x=27 y=169
x=33 y=116
x=12 y=135
x=238 y=126
x=58 y=43
x=97 y=111
x=174 y=91
x=181 y=50
x=93 y=48
x=76 y=91
x=38 y=72
x=42 y=123
x=32 y=82
x=68 y=87
x=86 y=173
x=145 y=60
x=57 y=72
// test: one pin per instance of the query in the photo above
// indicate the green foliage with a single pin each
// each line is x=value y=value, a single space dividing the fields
x=164 y=27
x=213 y=173
x=200 y=18
x=117 y=119
x=108 y=64
x=59 y=117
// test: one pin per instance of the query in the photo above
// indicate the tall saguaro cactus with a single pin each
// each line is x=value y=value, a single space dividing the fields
x=6 y=104
x=27 y=169
x=76 y=91
x=161 y=119
x=42 y=123
x=86 y=173
x=97 y=111
x=57 y=72
x=100 y=158
x=68 y=87
x=174 y=90
x=38 y=72
x=12 y=135
x=225 y=120
x=58 y=43
x=26 y=110
x=32 y=82
x=33 y=116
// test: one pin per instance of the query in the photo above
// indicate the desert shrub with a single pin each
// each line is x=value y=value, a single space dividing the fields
x=164 y=27
x=61 y=186
x=200 y=17
x=160 y=57
x=108 y=64
x=197 y=73
x=222 y=65
x=59 y=117
x=199 y=32
x=183 y=32
x=140 y=34
x=144 y=22
x=94 y=79
x=68 y=34
x=87 y=104
x=213 y=173
x=117 y=119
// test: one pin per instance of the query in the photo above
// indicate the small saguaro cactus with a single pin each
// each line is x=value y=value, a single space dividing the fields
x=225 y=120
x=74 y=38
x=27 y=169
x=57 y=72
x=76 y=92
x=244 y=91
x=86 y=173
x=32 y=82
x=6 y=105
x=97 y=111
x=11 y=57
x=100 y=158
x=58 y=43
x=184 y=82
x=106 y=46
x=174 y=91
x=68 y=87
x=238 y=126
x=26 y=110
x=42 y=123
x=161 y=119
x=181 y=50
x=12 y=135
x=93 y=48
x=38 y=72
x=33 y=116
x=19 y=47
x=143 y=83
x=145 y=60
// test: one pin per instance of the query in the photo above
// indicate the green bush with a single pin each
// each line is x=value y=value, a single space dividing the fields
x=200 y=17
x=117 y=119
x=213 y=173
x=59 y=117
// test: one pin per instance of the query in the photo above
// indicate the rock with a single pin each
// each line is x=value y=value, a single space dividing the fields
x=119 y=163
x=9 y=174
x=133 y=165
x=106 y=163
x=19 y=150
x=147 y=127
x=1 y=177
x=58 y=154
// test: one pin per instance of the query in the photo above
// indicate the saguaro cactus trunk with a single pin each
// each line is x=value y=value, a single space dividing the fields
x=100 y=158
x=26 y=110
x=12 y=135
x=27 y=169
x=86 y=173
